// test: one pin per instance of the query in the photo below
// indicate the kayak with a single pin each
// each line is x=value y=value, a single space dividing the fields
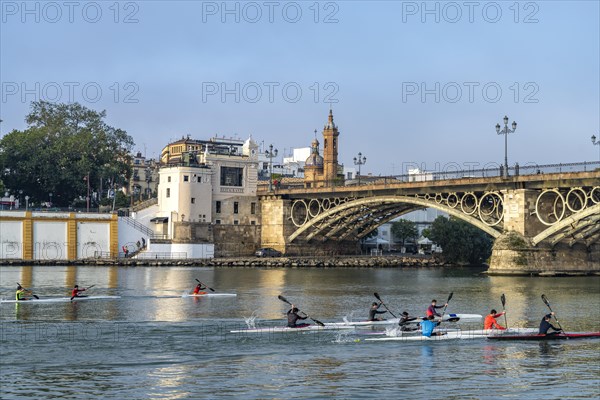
x=210 y=295
x=286 y=329
x=558 y=336
x=474 y=332
x=454 y=318
x=452 y=335
x=60 y=299
x=396 y=321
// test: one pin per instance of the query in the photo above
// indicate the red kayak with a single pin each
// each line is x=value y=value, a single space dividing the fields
x=557 y=336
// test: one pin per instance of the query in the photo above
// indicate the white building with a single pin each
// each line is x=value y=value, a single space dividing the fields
x=214 y=182
x=416 y=175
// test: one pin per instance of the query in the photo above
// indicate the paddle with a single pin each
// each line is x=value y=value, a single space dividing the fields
x=29 y=290
x=209 y=288
x=503 y=300
x=550 y=308
x=280 y=297
x=386 y=307
x=87 y=288
x=446 y=305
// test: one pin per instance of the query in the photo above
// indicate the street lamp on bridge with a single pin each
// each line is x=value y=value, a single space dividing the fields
x=271 y=154
x=360 y=160
x=26 y=203
x=596 y=143
x=505 y=132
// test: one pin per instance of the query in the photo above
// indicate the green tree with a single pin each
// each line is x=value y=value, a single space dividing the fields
x=404 y=229
x=461 y=242
x=63 y=144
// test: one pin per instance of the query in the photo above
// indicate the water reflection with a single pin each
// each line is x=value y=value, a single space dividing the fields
x=154 y=293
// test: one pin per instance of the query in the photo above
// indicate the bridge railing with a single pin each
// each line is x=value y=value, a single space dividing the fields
x=449 y=173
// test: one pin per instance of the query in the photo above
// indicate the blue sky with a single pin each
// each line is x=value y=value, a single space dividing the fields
x=167 y=69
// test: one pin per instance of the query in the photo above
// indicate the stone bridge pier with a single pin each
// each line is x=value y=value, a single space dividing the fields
x=277 y=227
x=538 y=239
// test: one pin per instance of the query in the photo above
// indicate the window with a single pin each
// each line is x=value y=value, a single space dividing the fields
x=252 y=222
x=169 y=179
x=236 y=207
x=186 y=178
x=236 y=222
x=218 y=207
x=193 y=200
x=168 y=192
x=232 y=176
x=252 y=208
x=218 y=221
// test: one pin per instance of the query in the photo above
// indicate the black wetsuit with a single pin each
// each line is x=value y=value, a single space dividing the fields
x=545 y=325
x=405 y=326
x=373 y=312
x=293 y=317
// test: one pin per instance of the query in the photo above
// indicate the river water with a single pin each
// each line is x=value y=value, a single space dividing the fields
x=154 y=344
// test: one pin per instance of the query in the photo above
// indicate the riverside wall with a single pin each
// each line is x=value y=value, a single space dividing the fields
x=275 y=262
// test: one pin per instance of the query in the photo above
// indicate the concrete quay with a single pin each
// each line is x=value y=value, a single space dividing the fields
x=250 y=262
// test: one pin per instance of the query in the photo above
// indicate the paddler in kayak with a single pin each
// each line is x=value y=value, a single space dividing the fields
x=293 y=317
x=75 y=292
x=545 y=325
x=490 y=320
x=199 y=289
x=432 y=307
x=374 y=311
x=404 y=320
x=20 y=294
x=428 y=325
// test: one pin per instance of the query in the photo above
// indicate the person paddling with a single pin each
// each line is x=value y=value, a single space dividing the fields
x=199 y=289
x=431 y=309
x=545 y=325
x=374 y=311
x=404 y=322
x=21 y=292
x=427 y=327
x=293 y=317
x=75 y=292
x=490 y=320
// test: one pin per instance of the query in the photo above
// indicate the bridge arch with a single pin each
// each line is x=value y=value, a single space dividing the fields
x=580 y=225
x=334 y=215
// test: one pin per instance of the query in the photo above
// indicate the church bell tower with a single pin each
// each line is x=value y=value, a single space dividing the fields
x=330 y=150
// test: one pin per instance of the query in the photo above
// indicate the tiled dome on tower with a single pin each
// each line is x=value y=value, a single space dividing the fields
x=314 y=160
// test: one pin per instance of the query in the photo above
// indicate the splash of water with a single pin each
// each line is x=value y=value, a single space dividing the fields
x=250 y=320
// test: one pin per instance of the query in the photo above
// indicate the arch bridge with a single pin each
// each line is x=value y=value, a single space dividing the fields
x=549 y=211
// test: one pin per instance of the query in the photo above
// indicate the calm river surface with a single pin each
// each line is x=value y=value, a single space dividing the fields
x=154 y=344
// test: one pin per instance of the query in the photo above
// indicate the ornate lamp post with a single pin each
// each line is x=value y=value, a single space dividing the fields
x=505 y=132
x=50 y=195
x=26 y=203
x=271 y=154
x=596 y=143
x=360 y=160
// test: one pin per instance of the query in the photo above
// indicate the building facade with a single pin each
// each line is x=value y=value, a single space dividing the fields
x=207 y=193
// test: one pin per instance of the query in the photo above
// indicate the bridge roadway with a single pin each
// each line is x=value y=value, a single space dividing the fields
x=544 y=208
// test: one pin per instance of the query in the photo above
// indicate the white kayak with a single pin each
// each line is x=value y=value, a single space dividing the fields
x=210 y=295
x=60 y=299
x=396 y=321
x=286 y=329
x=453 y=334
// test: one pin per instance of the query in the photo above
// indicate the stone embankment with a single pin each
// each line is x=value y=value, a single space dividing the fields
x=279 y=262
